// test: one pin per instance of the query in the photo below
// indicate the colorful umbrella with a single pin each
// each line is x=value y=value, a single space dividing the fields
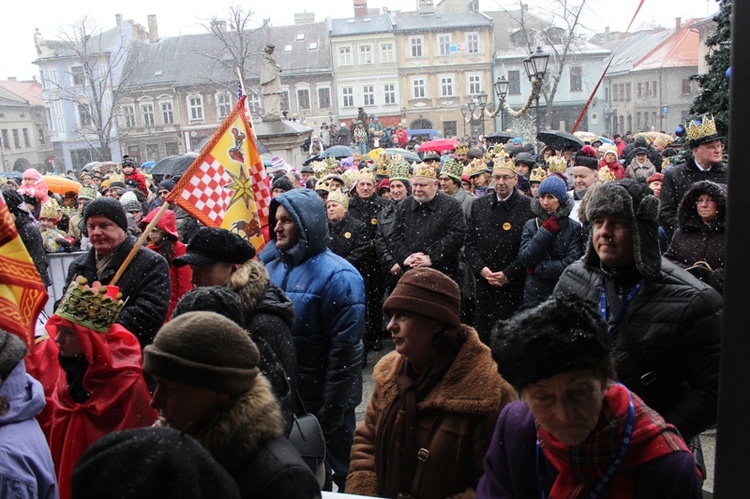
x=61 y=185
x=438 y=145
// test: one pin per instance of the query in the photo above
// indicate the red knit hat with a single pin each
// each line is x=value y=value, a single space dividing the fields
x=427 y=292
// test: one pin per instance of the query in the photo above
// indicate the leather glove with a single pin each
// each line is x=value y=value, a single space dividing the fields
x=331 y=418
x=551 y=225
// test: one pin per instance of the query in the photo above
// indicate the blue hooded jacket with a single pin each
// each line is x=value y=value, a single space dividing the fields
x=26 y=468
x=329 y=304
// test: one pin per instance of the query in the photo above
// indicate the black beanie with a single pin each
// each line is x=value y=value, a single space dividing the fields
x=107 y=207
x=150 y=463
x=12 y=350
x=217 y=299
x=427 y=292
x=204 y=349
x=283 y=183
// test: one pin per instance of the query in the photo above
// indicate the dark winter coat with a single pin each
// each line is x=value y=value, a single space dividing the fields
x=668 y=336
x=367 y=211
x=329 y=304
x=651 y=153
x=145 y=286
x=546 y=255
x=32 y=239
x=511 y=470
x=454 y=423
x=247 y=439
x=435 y=228
x=677 y=181
x=269 y=316
x=695 y=241
x=493 y=239
x=349 y=238
x=385 y=227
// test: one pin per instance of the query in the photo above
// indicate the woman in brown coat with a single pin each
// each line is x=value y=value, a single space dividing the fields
x=430 y=419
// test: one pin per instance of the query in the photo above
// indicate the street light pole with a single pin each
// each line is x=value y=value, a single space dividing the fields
x=536 y=69
x=483 y=104
x=502 y=85
x=463 y=113
x=472 y=106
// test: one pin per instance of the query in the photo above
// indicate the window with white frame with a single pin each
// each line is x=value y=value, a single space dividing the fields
x=76 y=76
x=446 y=86
x=386 y=53
x=345 y=56
x=444 y=44
x=365 y=54
x=472 y=43
x=324 y=97
x=223 y=104
x=418 y=88
x=303 y=98
x=368 y=94
x=128 y=114
x=347 y=96
x=576 y=78
x=475 y=84
x=167 y=113
x=195 y=107
x=147 y=113
x=415 y=42
x=389 y=93
x=84 y=115
x=253 y=102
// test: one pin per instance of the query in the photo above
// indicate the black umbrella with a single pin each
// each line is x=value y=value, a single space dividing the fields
x=559 y=140
x=337 y=152
x=499 y=137
x=174 y=165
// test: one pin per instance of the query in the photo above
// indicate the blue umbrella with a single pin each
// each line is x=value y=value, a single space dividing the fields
x=337 y=152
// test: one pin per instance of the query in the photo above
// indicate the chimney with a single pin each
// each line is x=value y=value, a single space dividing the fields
x=677 y=22
x=118 y=21
x=426 y=7
x=304 y=18
x=360 y=8
x=218 y=26
x=153 y=28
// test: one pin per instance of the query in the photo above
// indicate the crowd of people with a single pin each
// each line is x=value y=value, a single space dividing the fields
x=555 y=316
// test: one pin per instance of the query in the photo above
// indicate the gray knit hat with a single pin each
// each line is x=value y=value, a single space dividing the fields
x=636 y=201
x=12 y=350
x=204 y=349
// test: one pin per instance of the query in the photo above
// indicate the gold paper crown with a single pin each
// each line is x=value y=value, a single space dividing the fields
x=323 y=185
x=498 y=149
x=557 y=164
x=339 y=197
x=537 y=174
x=93 y=306
x=504 y=161
x=425 y=170
x=320 y=169
x=350 y=176
x=86 y=192
x=461 y=149
x=50 y=210
x=453 y=169
x=384 y=165
x=399 y=170
x=477 y=166
x=366 y=174
x=699 y=128
x=605 y=175
x=116 y=177
x=331 y=162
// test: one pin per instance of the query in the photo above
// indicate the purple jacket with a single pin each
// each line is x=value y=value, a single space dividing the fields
x=510 y=467
x=26 y=466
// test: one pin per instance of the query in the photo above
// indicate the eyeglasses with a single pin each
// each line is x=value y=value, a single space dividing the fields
x=504 y=178
x=715 y=147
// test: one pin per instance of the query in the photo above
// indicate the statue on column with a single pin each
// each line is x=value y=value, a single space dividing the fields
x=270 y=85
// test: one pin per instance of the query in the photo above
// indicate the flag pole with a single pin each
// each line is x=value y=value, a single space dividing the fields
x=139 y=243
x=249 y=114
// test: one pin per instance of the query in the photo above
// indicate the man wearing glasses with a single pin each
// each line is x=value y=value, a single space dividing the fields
x=706 y=164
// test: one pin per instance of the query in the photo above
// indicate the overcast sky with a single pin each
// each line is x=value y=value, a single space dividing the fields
x=175 y=17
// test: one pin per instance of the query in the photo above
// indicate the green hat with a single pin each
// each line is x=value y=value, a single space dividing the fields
x=453 y=169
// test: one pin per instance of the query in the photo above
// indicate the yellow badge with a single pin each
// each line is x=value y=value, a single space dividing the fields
x=374 y=221
x=348 y=235
x=506 y=226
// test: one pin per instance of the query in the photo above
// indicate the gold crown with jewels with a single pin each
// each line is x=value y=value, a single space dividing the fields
x=95 y=307
x=339 y=197
x=453 y=169
x=699 y=128
x=399 y=169
x=556 y=164
x=425 y=170
x=461 y=149
x=537 y=174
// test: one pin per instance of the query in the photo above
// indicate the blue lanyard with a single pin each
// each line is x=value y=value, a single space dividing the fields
x=623 y=305
x=606 y=479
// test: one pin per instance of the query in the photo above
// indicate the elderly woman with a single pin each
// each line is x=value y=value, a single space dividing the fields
x=698 y=243
x=550 y=241
x=348 y=237
x=577 y=432
x=436 y=399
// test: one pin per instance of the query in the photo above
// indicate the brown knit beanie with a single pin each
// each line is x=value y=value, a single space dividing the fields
x=427 y=292
x=204 y=349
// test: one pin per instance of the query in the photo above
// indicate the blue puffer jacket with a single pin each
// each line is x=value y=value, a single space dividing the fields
x=329 y=304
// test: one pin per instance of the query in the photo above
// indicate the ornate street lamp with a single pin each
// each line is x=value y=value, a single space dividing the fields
x=536 y=69
x=464 y=110
x=502 y=85
x=483 y=104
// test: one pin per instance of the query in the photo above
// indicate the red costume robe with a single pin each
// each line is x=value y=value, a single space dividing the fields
x=118 y=396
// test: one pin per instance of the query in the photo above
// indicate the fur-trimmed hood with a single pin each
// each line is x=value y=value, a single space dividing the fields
x=687 y=215
x=249 y=419
x=471 y=385
x=563 y=211
x=258 y=294
x=635 y=201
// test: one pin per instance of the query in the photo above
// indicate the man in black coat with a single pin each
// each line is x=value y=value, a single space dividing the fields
x=706 y=164
x=145 y=285
x=429 y=226
x=664 y=323
x=493 y=238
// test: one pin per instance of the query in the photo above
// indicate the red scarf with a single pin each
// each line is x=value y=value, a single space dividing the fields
x=580 y=467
